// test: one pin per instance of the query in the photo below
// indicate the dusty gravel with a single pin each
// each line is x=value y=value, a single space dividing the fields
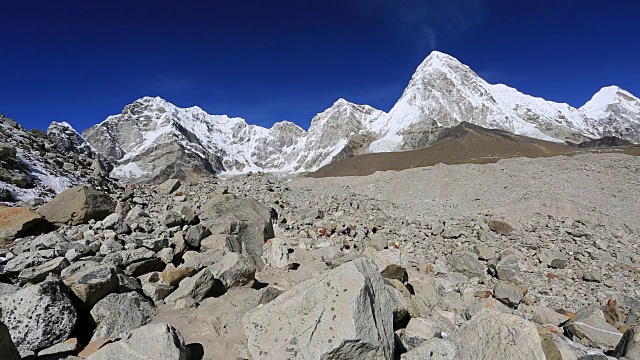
x=604 y=187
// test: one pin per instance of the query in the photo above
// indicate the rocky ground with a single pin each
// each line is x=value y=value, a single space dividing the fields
x=520 y=259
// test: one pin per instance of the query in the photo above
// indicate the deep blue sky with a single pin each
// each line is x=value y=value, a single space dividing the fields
x=80 y=61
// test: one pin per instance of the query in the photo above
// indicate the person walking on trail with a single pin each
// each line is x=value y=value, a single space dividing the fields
x=273 y=214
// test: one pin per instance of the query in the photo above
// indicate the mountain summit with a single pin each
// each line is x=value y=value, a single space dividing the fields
x=154 y=138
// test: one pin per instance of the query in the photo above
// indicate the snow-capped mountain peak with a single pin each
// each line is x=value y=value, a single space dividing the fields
x=442 y=92
x=597 y=106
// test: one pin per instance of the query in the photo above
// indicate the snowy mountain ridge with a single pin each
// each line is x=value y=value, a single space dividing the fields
x=154 y=138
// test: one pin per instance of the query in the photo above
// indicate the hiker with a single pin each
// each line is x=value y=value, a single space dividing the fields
x=273 y=214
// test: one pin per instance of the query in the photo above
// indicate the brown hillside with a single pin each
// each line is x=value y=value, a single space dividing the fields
x=463 y=144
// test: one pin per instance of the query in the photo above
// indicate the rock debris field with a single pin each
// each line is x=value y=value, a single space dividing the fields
x=519 y=259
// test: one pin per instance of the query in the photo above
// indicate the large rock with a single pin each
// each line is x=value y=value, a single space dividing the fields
x=233 y=270
x=196 y=287
x=173 y=276
x=467 y=263
x=118 y=313
x=169 y=186
x=434 y=349
x=40 y=272
x=592 y=330
x=345 y=313
x=508 y=294
x=92 y=284
x=246 y=218
x=22 y=262
x=39 y=316
x=16 y=222
x=155 y=341
x=507 y=269
x=490 y=334
x=276 y=254
x=504 y=226
x=77 y=205
x=7 y=347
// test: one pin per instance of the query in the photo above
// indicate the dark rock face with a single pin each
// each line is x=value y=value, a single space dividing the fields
x=32 y=165
x=607 y=141
x=7 y=347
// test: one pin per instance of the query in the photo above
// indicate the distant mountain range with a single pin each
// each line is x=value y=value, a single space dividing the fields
x=153 y=138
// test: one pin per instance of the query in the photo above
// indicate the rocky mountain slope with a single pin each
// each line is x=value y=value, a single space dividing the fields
x=525 y=258
x=34 y=165
x=154 y=138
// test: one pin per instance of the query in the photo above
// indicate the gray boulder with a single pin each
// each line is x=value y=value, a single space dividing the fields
x=491 y=333
x=169 y=186
x=504 y=226
x=467 y=263
x=276 y=254
x=39 y=316
x=553 y=259
x=508 y=294
x=195 y=234
x=233 y=270
x=157 y=291
x=484 y=252
x=144 y=266
x=507 y=269
x=418 y=331
x=246 y=218
x=345 y=313
x=590 y=329
x=23 y=261
x=39 y=273
x=118 y=313
x=434 y=349
x=200 y=260
x=77 y=206
x=155 y=341
x=171 y=219
x=7 y=288
x=196 y=287
x=92 y=284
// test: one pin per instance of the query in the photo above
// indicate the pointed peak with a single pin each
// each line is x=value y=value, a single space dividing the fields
x=63 y=124
x=439 y=54
x=151 y=100
x=342 y=101
x=438 y=61
x=605 y=96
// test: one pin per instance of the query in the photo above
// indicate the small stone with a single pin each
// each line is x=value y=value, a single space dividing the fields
x=195 y=234
x=173 y=276
x=592 y=276
x=509 y=294
x=553 y=259
x=504 y=226
x=484 y=252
